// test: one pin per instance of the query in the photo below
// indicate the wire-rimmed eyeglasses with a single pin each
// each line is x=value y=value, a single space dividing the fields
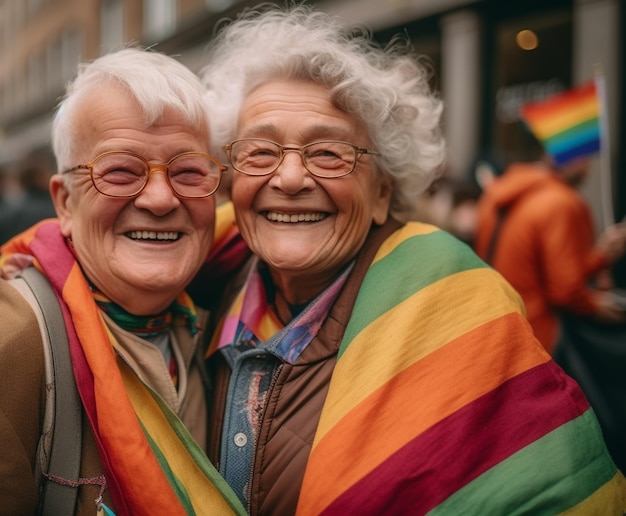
x=125 y=174
x=326 y=158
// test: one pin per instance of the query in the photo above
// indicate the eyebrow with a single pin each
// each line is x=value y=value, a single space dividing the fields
x=313 y=133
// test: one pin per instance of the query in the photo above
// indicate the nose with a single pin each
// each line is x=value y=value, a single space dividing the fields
x=157 y=196
x=291 y=176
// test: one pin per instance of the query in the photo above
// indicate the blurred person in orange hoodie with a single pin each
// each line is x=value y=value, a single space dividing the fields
x=536 y=229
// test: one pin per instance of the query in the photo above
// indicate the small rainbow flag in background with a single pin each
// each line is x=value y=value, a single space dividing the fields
x=567 y=124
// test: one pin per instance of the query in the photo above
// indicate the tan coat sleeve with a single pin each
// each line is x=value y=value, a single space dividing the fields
x=22 y=388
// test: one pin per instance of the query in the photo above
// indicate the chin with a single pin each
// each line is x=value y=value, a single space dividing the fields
x=160 y=281
x=291 y=265
x=289 y=260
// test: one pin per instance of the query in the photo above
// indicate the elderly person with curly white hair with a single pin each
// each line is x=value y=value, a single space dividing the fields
x=364 y=364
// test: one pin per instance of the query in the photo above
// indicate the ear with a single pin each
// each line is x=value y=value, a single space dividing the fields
x=62 y=203
x=381 y=201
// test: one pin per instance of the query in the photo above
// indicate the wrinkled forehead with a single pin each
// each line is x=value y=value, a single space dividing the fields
x=113 y=119
x=303 y=109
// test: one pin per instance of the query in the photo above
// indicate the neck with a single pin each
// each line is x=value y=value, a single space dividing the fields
x=179 y=311
x=298 y=289
x=134 y=300
x=142 y=303
x=282 y=308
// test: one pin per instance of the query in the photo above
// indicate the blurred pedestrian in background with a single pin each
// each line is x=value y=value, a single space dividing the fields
x=451 y=203
x=3 y=190
x=363 y=364
x=34 y=203
x=537 y=230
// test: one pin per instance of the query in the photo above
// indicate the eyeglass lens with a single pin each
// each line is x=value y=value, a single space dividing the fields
x=323 y=159
x=124 y=175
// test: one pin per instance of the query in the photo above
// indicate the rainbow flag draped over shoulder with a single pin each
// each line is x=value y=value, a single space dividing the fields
x=152 y=464
x=567 y=124
x=442 y=402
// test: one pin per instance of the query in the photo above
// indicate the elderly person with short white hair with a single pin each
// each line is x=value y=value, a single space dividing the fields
x=136 y=213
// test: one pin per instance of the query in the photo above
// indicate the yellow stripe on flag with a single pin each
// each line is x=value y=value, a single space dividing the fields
x=546 y=125
x=405 y=232
x=356 y=376
x=204 y=496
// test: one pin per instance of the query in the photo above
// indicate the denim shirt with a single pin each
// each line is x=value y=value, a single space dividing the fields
x=254 y=365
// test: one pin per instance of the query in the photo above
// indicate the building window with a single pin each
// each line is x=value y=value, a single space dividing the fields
x=533 y=61
x=217 y=6
x=33 y=7
x=111 y=26
x=36 y=78
x=159 y=18
x=54 y=73
x=5 y=30
x=425 y=37
x=19 y=89
x=71 y=53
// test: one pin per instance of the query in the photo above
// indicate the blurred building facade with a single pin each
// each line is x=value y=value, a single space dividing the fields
x=488 y=58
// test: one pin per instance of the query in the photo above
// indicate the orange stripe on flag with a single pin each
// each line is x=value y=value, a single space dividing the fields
x=435 y=329
x=394 y=404
x=547 y=124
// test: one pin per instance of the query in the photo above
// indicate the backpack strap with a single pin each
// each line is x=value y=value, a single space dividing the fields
x=62 y=454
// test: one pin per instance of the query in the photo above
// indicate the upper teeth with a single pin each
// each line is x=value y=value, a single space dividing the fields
x=300 y=217
x=154 y=235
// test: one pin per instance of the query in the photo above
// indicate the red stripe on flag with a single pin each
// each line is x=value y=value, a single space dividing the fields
x=390 y=416
x=435 y=465
x=560 y=102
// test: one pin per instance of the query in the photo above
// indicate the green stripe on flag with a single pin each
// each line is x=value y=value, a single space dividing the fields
x=517 y=486
x=176 y=484
x=201 y=460
x=574 y=136
x=383 y=287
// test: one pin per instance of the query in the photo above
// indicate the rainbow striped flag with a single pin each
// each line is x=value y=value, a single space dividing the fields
x=567 y=124
x=442 y=402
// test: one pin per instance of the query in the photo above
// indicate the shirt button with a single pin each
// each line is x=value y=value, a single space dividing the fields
x=240 y=439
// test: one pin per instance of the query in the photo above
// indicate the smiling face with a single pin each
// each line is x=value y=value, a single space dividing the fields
x=141 y=252
x=305 y=228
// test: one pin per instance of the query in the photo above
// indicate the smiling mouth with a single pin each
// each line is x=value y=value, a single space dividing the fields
x=159 y=236
x=295 y=217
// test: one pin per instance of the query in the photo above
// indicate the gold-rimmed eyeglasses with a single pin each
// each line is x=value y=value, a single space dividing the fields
x=325 y=158
x=125 y=174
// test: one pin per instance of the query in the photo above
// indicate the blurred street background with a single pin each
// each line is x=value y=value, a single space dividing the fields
x=488 y=58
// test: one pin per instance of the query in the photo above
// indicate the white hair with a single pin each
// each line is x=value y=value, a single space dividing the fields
x=155 y=80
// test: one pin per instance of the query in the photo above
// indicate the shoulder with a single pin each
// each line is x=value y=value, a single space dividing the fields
x=21 y=344
x=22 y=383
x=19 y=320
x=553 y=192
x=22 y=364
x=429 y=249
x=426 y=259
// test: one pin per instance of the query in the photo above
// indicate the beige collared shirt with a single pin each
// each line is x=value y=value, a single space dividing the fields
x=188 y=401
